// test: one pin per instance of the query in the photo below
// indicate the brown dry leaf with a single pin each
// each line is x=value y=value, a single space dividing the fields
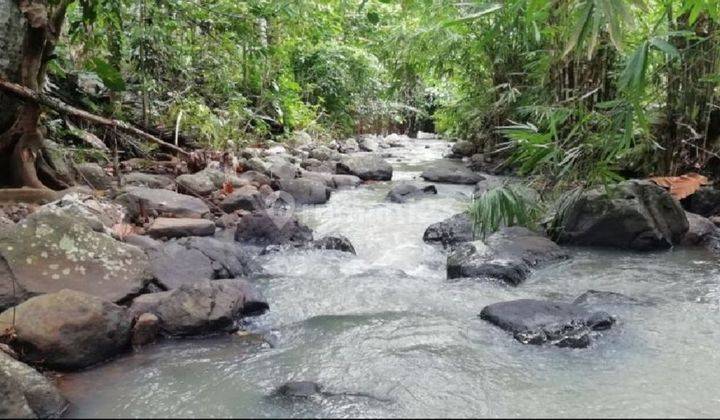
x=228 y=187
x=683 y=185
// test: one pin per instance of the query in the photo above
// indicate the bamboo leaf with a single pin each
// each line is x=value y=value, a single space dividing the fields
x=665 y=47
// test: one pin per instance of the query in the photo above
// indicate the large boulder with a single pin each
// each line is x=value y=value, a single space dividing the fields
x=93 y=175
x=701 y=231
x=208 y=181
x=13 y=404
x=451 y=231
x=50 y=251
x=283 y=170
x=405 y=191
x=368 y=143
x=367 y=168
x=634 y=214
x=204 y=307
x=264 y=228
x=539 y=322
x=508 y=255
x=165 y=227
x=141 y=179
x=184 y=261
x=451 y=175
x=67 y=330
x=305 y=191
x=158 y=202
x=33 y=389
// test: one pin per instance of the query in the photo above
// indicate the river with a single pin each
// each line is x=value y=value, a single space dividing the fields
x=388 y=324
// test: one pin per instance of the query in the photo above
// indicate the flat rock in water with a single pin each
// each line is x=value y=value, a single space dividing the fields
x=184 y=261
x=141 y=179
x=48 y=252
x=367 y=168
x=156 y=202
x=636 y=215
x=538 y=322
x=205 y=307
x=305 y=191
x=508 y=255
x=452 y=176
x=35 y=390
x=451 y=231
x=164 y=227
x=403 y=192
x=68 y=330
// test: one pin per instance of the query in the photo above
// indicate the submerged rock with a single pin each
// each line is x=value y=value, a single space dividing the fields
x=68 y=330
x=452 y=176
x=33 y=389
x=204 y=307
x=403 y=192
x=298 y=389
x=367 y=168
x=509 y=255
x=335 y=243
x=634 y=214
x=599 y=297
x=156 y=202
x=451 y=231
x=48 y=252
x=539 y=322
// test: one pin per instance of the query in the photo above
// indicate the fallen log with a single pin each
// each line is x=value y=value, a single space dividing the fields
x=26 y=94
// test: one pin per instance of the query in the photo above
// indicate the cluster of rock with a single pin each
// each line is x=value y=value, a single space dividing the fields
x=634 y=215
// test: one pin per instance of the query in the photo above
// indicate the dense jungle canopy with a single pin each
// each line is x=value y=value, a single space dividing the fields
x=578 y=91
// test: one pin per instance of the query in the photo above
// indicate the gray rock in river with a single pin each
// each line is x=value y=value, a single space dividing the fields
x=140 y=179
x=463 y=148
x=246 y=198
x=166 y=227
x=93 y=175
x=50 y=251
x=367 y=168
x=452 y=175
x=539 y=322
x=68 y=330
x=298 y=389
x=508 y=255
x=346 y=181
x=636 y=215
x=305 y=191
x=156 y=202
x=335 y=243
x=205 y=307
x=208 y=181
x=451 y=231
x=403 y=192
x=22 y=385
x=266 y=228
x=701 y=231
x=184 y=261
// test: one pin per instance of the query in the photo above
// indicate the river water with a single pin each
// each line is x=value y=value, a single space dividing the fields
x=386 y=323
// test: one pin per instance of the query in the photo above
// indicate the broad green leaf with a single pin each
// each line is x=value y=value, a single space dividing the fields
x=108 y=74
x=665 y=47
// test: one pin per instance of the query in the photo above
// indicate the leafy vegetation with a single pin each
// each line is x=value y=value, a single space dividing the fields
x=507 y=205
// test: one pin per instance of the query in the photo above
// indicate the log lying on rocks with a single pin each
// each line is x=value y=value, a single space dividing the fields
x=53 y=103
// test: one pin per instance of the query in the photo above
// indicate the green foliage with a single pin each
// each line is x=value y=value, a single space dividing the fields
x=508 y=205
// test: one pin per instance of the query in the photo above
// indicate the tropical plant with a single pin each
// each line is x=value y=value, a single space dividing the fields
x=507 y=205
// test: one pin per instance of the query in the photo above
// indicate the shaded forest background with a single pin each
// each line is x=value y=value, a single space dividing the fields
x=574 y=91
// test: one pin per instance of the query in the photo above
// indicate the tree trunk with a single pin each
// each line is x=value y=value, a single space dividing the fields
x=41 y=24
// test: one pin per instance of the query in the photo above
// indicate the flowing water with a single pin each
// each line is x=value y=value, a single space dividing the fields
x=387 y=323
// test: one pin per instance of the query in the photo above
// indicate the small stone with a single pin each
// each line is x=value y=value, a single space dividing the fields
x=164 y=227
